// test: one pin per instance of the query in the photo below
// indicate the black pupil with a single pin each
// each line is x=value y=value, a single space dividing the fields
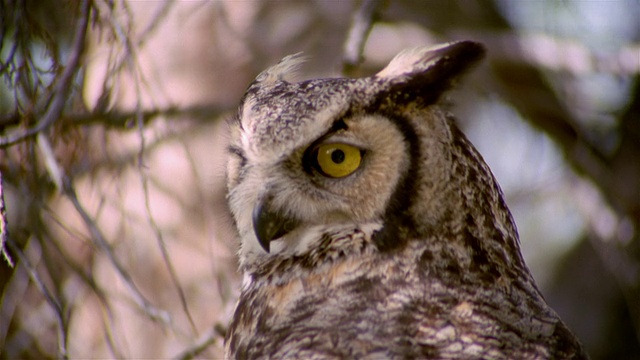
x=337 y=156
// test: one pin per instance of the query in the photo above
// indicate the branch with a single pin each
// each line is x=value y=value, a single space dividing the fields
x=524 y=86
x=163 y=249
x=126 y=119
x=217 y=331
x=361 y=25
x=88 y=279
x=98 y=238
x=48 y=296
x=61 y=90
x=4 y=227
x=155 y=22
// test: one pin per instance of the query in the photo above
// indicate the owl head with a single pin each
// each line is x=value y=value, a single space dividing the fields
x=318 y=157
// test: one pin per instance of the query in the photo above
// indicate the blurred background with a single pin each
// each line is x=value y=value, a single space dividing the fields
x=116 y=239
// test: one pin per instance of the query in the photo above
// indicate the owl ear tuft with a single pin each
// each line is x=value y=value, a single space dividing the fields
x=428 y=72
x=284 y=70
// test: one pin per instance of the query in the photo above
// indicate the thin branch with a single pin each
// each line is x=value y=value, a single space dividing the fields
x=117 y=62
x=123 y=119
x=100 y=241
x=13 y=295
x=216 y=332
x=155 y=22
x=108 y=332
x=4 y=226
x=48 y=296
x=137 y=78
x=61 y=90
x=50 y=162
x=89 y=280
x=98 y=238
x=361 y=24
x=163 y=250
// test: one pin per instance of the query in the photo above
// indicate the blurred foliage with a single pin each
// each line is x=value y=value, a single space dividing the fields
x=112 y=152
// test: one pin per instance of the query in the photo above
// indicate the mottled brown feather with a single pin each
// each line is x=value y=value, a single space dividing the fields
x=414 y=255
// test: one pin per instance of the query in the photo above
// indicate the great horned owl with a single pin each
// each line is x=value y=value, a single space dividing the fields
x=370 y=227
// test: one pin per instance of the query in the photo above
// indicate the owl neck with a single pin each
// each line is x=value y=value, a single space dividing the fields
x=485 y=223
x=454 y=205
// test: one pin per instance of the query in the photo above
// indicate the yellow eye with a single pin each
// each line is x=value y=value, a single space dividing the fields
x=337 y=160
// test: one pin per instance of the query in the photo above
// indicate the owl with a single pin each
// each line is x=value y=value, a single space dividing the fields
x=371 y=228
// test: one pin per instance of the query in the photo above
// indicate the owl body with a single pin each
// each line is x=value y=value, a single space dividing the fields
x=370 y=227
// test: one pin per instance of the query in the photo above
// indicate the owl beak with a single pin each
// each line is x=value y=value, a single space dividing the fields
x=270 y=225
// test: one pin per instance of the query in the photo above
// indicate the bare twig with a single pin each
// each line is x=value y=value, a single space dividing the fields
x=61 y=90
x=48 y=296
x=108 y=334
x=131 y=57
x=163 y=250
x=54 y=170
x=100 y=241
x=361 y=24
x=216 y=332
x=155 y=22
x=90 y=281
x=13 y=295
x=4 y=226
x=123 y=119
x=118 y=60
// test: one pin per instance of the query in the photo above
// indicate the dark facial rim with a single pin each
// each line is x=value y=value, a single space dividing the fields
x=396 y=215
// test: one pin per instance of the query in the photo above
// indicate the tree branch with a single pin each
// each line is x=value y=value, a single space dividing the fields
x=163 y=249
x=361 y=24
x=216 y=332
x=4 y=226
x=98 y=238
x=61 y=90
x=49 y=298
x=127 y=119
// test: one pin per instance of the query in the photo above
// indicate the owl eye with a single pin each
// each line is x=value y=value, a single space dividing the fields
x=336 y=160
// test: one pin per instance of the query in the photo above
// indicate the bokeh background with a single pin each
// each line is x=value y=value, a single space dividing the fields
x=116 y=239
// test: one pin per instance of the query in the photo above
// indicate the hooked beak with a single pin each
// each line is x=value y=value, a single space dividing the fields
x=270 y=225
